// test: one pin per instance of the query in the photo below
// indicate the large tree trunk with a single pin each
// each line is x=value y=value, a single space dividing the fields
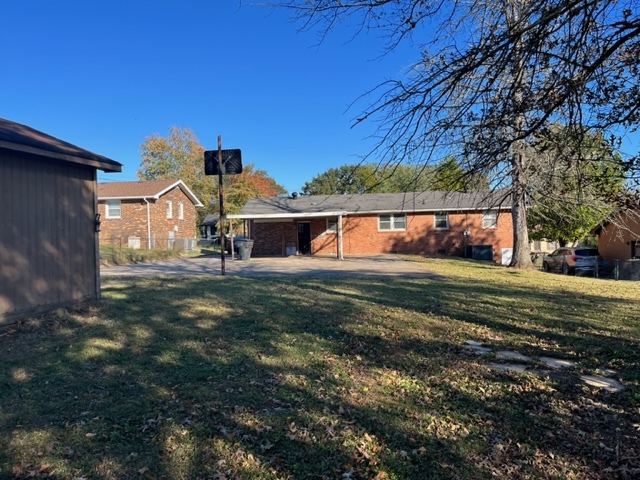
x=521 y=257
x=521 y=251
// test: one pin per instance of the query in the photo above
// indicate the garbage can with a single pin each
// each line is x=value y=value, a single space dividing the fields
x=244 y=248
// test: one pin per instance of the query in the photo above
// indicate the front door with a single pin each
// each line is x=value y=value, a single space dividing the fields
x=304 y=238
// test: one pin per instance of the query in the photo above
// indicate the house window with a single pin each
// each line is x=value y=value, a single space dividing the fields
x=332 y=224
x=442 y=221
x=169 y=209
x=490 y=219
x=112 y=208
x=392 y=222
x=180 y=211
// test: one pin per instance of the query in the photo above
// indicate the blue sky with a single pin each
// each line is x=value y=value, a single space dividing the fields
x=104 y=75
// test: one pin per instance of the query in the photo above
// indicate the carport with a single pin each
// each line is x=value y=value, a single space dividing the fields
x=298 y=233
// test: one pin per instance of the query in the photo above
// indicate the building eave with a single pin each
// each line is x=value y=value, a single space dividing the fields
x=105 y=166
x=186 y=191
x=179 y=183
x=367 y=212
x=288 y=215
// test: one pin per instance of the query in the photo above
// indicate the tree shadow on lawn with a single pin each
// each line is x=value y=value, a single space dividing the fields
x=267 y=379
x=594 y=330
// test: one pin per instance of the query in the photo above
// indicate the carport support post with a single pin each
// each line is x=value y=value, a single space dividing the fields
x=221 y=200
x=340 y=255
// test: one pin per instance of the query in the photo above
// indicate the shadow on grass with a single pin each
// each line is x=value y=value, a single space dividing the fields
x=302 y=378
x=595 y=330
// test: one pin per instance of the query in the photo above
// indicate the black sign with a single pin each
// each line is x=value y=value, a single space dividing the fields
x=231 y=162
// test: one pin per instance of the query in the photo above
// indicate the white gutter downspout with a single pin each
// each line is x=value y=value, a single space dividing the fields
x=148 y=225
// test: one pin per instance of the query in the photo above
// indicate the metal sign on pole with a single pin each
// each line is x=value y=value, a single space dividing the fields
x=220 y=162
x=231 y=162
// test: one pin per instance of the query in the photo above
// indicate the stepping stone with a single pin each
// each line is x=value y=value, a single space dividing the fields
x=557 y=363
x=606 y=372
x=541 y=373
x=473 y=343
x=509 y=355
x=509 y=367
x=478 y=349
x=602 y=382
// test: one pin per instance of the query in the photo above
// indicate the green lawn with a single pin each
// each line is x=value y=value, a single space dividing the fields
x=259 y=378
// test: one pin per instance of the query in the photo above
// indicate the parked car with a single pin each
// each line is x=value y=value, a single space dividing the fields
x=571 y=259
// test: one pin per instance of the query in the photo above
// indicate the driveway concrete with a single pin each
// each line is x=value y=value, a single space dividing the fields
x=373 y=265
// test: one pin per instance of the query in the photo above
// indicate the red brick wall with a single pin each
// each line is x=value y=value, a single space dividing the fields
x=361 y=235
x=613 y=241
x=272 y=238
x=133 y=220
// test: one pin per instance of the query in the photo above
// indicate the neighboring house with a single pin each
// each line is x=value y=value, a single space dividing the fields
x=619 y=236
x=48 y=235
x=423 y=223
x=543 y=246
x=209 y=226
x=147 y=214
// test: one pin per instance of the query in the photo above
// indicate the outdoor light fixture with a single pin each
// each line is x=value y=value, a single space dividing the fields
x=98 y=221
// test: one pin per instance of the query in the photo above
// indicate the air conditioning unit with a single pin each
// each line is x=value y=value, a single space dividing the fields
x=479 y=252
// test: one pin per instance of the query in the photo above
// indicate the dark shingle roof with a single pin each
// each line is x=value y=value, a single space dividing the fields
x=18 y=137
x=143 y=189
x=211 y=219
x=372 y=203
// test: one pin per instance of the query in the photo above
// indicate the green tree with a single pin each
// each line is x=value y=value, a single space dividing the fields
x=368 y=178
x=346 y=179
x=373 y=178
x=576 y=184
x=405 y=178
x=450 y=176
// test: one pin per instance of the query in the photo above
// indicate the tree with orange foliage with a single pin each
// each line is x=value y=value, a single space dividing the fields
x=180 y=155
x=252 y=182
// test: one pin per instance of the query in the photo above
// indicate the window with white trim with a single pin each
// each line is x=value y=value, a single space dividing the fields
x=180 y=211
x=113 y=209
x=332 y=224
x=441 y=221
x=169 y=209
x=490 y=219
x=392 y=222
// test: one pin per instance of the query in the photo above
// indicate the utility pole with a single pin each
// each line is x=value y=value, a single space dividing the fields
x=221 y=200
x=222 y=162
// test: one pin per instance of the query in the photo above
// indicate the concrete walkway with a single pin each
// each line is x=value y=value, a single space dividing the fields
x=356 y=266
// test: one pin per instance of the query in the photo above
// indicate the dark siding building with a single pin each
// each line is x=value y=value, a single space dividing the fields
x=48 y=237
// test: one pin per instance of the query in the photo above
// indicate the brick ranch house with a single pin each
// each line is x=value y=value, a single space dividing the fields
x=422 y=223
x=147 y=214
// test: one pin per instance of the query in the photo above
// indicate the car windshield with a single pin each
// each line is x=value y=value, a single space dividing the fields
x=587 y=252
